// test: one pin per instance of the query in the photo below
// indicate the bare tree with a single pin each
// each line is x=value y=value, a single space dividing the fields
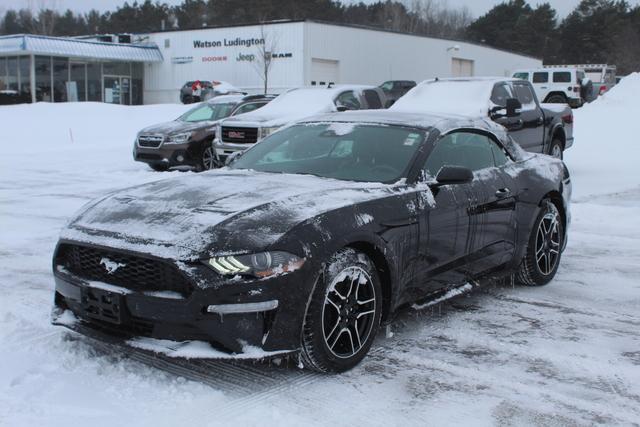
x=44 y=16
x=264 y=55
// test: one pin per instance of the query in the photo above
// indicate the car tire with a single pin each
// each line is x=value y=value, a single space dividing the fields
x=556 y=149
x=343 y=314
x=159 y=167
x=544 y=248
x=557 y=99
x=208 y=159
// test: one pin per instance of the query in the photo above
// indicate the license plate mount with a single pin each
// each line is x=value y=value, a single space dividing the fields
x=103 y=305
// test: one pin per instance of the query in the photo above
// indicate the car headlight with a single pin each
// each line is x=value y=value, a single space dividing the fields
x=179 y=138
x=263 y=264
x=265 y=132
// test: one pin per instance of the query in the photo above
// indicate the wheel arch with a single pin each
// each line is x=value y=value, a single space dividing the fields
x=381 y=264
x=555 y=197
x=555 y=93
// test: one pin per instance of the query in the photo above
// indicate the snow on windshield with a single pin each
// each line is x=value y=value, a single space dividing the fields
x=461 y=97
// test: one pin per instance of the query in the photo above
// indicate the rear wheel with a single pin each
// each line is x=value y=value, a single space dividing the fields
x=343 y=315
x=557 y=99
x=544 y=248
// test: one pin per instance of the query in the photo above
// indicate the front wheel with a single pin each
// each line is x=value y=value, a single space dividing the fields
x=343 y=314
x=544 y=248
x=208 y=159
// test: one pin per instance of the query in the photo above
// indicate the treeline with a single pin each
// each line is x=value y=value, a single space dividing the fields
x=600 y=31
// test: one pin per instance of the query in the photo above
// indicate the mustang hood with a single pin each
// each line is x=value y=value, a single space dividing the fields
x=182 y=217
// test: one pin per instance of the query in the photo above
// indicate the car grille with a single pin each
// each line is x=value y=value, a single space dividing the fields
x=239 y=135
x=133 y=272
x=150 y=141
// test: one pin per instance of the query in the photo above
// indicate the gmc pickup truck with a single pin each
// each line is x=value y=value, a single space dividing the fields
x=539 y=128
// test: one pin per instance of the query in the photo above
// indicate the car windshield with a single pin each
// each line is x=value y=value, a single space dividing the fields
x=346 y=151
x=207 y=111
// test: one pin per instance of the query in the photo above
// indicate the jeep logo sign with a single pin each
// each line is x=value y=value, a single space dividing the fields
x=245 y=57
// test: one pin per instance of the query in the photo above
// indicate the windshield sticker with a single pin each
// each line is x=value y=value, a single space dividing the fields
x=412 y=139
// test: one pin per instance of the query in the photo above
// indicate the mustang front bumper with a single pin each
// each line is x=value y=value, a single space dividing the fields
x=232 y=316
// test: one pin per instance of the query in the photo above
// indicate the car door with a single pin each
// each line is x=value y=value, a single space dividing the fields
x=372 y=99
x=527 y=129
x=471 y=229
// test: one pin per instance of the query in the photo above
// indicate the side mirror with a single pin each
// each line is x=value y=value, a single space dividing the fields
x=341 y=107
x=233 y=157
x=454 y=175
x=513 y=107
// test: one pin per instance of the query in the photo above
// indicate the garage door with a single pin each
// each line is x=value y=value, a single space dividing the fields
x=461 y=67
x=324 y=71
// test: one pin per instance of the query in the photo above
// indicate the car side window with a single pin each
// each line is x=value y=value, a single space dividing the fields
x=467 y=149
x=562 y=77
x=501 y=92
x=248 y=107
x=372 y=98
x=521 y=76
x=541 y=77
x=525 y=96
x=349 y=100
x=499 y=156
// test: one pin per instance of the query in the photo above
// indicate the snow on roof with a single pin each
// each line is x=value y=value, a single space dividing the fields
x=465 y=97
x=302 y=102
x=59 y=46
x=220 y=99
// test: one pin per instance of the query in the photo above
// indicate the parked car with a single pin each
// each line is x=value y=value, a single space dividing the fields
x=512 y=103
x=239 y=133
x=186 y=142
x=394 y=89
x=559 y=85
x=210 y=89
x=312 y=238
x=603 y=76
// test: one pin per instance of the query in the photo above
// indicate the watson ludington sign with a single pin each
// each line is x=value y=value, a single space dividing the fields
x=228 y=42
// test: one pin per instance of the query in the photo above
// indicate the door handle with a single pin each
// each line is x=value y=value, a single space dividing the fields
x=503 y=193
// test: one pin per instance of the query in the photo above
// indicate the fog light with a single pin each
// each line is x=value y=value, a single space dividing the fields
x=180 y=159
x=250 y=307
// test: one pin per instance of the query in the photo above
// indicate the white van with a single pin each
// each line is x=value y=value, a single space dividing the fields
x=558 y=85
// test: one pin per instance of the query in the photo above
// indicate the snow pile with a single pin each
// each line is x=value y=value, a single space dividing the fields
x=470 y=98
x=604 y=157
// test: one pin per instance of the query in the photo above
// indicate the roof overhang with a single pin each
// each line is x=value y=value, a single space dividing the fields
x=27 y=44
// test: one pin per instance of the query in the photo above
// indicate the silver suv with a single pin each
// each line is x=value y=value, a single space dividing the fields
x=241 y=132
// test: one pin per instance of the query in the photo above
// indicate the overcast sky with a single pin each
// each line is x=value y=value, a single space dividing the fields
x=477 y=7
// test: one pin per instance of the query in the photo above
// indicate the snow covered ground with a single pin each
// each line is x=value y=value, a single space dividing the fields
x=564 y=354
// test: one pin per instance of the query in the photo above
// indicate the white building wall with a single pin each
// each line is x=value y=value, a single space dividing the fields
x=372 y=57
x=183 y=61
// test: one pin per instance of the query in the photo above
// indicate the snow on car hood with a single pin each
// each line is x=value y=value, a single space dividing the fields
x=176 y=126
x=177 y=218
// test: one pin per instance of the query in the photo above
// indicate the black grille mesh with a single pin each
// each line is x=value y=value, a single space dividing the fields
x=134 y=273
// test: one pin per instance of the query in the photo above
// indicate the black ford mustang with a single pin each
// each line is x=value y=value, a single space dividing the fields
x=312 y=238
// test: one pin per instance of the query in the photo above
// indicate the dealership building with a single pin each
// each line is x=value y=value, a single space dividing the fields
x=151 y=68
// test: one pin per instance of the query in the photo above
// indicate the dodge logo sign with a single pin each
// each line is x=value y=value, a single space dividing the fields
x=235 y=134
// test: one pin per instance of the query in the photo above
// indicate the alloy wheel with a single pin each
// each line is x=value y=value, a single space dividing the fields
x=548 y=243
x=208 y=159
x=348 y=314
x=557 y=152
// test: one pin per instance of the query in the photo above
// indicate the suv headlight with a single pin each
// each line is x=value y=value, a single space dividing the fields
x=263 y=264
x=265 y=132
x=179 y=138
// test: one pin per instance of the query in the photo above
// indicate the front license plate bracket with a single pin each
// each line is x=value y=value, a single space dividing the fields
x=103 y=305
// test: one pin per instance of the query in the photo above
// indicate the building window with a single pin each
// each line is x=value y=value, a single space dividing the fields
x=60 y=79
x=94 y=82
x=137 y=73
x=25 y=78
x=43 y=78
x=77 y=82
x=3 y=73
x=12 y=74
